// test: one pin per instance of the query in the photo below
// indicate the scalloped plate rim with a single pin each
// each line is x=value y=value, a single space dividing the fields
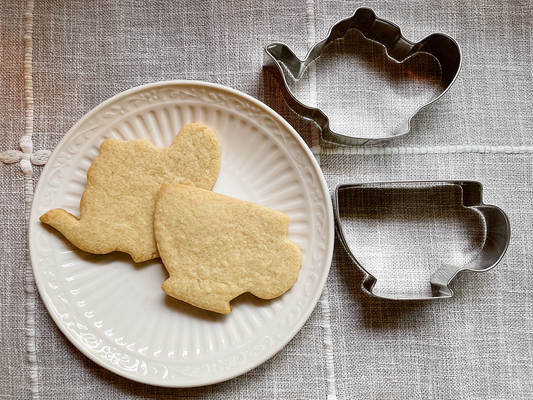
x=329 y=231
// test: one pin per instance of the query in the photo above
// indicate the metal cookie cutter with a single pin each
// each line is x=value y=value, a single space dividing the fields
x=496 y=241
x=442 y=47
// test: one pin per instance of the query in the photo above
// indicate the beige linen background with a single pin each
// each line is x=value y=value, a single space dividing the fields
x=59 y=59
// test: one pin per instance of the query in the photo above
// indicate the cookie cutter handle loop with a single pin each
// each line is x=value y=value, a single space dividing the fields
x=447 y=52
x=496 y=242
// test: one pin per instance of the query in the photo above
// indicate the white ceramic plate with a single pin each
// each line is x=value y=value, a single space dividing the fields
x=114 y=310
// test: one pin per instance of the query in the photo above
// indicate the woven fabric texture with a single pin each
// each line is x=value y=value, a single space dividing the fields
x=59 y=59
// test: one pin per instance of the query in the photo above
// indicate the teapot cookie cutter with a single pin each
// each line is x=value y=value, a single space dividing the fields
x=497 y=237
x=444 y=48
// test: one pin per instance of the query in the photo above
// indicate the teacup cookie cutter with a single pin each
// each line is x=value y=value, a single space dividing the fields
x=445 y=50
x=496 y=241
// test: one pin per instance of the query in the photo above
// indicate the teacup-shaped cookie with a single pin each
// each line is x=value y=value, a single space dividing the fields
x=216 y=247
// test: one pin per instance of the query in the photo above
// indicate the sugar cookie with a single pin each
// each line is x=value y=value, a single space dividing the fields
x=217 y=247
x=117 y=207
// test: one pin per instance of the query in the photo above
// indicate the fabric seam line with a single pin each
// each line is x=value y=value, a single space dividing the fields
x=315 y=144
x=311 y=38
x=26 y=146
x=458 y=149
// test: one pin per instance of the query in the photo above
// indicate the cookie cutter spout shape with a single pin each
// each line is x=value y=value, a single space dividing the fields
x=444 y=48
x=497 y=237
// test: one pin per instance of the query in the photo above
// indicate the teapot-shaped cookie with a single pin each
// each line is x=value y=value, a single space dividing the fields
x=117 y=207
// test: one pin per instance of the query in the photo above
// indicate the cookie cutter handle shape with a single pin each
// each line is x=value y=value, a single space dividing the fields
x=443 y=47
x=497 y=238
x=498 y=233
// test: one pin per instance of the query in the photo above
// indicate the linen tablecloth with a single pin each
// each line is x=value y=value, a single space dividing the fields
x=59 y=59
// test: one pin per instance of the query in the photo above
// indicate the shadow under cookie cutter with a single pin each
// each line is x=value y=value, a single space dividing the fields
x=444 y=48
x=497 y=237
